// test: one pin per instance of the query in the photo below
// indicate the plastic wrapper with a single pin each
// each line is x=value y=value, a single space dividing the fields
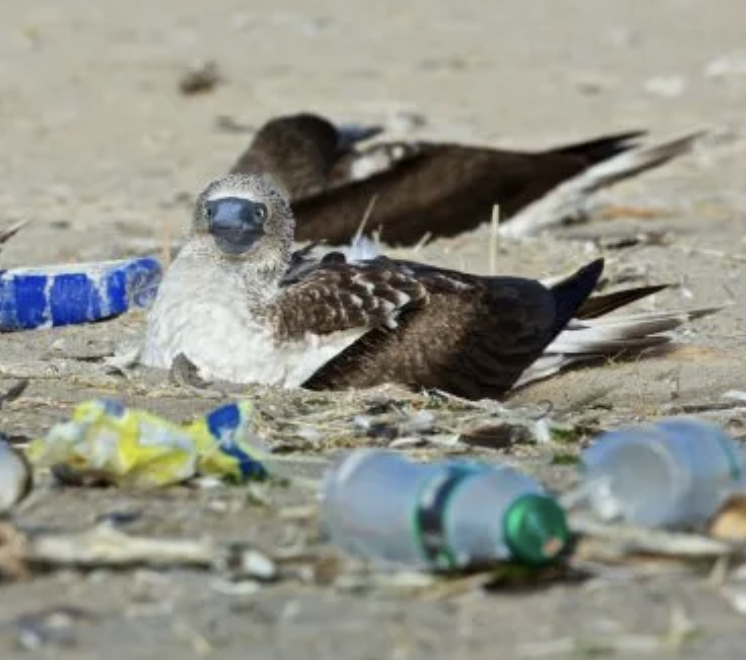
x=135 y=448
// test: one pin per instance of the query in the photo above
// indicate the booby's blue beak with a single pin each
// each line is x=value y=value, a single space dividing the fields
x=236 y=223
x=348 y=135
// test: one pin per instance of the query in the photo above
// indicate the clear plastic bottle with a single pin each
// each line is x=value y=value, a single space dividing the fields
x=16 y=476
x=673 y=473
x=446 y=515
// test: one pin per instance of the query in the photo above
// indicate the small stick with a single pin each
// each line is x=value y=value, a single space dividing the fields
x=366 y=217
x=7 y=234
x=422 y=242
x=166 y=240
x=494 y=232
x=106 y=546
x=653 y=541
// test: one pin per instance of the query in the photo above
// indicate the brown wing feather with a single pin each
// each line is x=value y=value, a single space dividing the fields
x=337 y=296
x=471 y=339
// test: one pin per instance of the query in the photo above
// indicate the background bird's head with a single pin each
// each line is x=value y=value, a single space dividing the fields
x=300 y=149
x=246 y=218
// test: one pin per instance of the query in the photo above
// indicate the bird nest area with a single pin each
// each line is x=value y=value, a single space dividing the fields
x=299 y=421
x=233 y=542
x=394 y=417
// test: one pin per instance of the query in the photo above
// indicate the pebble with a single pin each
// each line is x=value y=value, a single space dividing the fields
x=666 y=86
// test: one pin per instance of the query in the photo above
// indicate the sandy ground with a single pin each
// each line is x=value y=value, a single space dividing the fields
x=103 y=154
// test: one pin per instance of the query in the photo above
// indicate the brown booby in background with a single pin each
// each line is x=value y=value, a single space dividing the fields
x=417 y=189
x=240 y=306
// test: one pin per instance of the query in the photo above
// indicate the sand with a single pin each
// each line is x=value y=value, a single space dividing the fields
x=104 y=154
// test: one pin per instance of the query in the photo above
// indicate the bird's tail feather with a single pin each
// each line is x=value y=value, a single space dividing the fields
x=592 y=339
x=599 y=149
x=572 y=293
x=607 y=302
x=569 y=200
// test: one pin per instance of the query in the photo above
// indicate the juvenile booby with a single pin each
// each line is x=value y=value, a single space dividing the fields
x=242 y=307
x=415 y=189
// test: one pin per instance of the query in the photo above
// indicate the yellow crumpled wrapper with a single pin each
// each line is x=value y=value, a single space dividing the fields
x=135 y=448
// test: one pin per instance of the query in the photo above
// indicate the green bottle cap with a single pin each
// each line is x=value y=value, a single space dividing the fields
x=535 y=529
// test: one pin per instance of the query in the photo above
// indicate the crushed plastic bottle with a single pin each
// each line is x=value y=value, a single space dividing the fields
x=136 y=448
x=66 y=294
x=673 y=473
x=441 y=516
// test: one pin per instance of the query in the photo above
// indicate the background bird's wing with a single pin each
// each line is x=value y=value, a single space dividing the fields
x=413 y=190
x=378 y=159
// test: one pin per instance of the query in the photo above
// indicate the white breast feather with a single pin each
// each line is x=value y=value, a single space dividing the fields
x=201 y=313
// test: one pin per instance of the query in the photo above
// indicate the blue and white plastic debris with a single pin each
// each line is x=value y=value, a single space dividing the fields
x=138 y=449
x=57 y=295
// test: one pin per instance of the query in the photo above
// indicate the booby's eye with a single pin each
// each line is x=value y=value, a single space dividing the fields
x=261 y=212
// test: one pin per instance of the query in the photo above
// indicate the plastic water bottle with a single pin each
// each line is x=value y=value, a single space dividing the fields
x=16 y=476
x=442 y=516
x=673 y=473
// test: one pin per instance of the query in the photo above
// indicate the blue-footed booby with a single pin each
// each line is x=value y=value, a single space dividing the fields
x=241 y=306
